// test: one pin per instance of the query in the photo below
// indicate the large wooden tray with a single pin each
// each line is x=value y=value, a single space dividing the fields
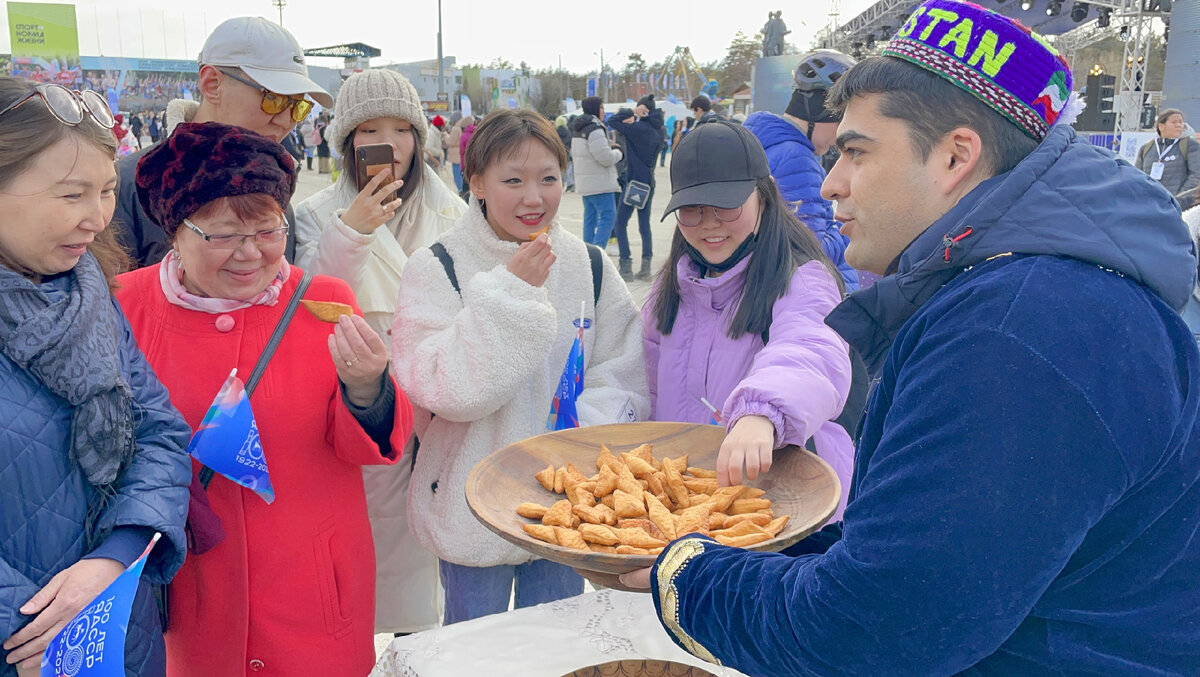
x=799 y=484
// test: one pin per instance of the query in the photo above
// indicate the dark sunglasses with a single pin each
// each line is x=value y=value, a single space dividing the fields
x=274 y=104
x=67 y=106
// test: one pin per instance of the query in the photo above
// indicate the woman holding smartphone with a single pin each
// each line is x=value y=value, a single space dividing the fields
x=365 y=236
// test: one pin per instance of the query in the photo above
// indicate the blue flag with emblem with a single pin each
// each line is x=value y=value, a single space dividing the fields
x=227 y=440
x=93 y=643
x=563 y=413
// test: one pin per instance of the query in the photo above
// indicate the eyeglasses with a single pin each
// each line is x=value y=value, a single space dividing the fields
x=67 y=106
x=236 y=240
x=691 y=215
x=274 y=104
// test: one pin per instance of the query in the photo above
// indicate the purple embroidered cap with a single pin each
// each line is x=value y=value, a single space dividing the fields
x=999 y=60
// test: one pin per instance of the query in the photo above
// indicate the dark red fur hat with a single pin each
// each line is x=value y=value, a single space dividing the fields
x=205 y=161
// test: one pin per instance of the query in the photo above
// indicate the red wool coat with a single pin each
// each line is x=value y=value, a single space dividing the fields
x=291 y=589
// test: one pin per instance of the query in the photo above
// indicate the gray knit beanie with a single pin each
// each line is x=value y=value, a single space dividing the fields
x=371 y=94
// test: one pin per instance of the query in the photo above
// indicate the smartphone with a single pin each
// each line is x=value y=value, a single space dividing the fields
x=371 y=159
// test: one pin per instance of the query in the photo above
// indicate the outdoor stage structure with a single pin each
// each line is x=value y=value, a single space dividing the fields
x=355 y=56
x=1071 y=26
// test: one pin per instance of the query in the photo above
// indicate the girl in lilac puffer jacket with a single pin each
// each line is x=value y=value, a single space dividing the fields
x=736 y=317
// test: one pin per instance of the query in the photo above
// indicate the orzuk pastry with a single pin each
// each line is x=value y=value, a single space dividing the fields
x=635 y=504
x=327 y=311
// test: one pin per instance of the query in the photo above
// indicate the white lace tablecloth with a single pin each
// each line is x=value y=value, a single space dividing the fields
x=548 y=640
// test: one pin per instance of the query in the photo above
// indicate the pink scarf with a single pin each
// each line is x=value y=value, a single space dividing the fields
x=170 y=274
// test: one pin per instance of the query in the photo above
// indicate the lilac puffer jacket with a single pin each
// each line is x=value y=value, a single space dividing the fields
x=799 y=379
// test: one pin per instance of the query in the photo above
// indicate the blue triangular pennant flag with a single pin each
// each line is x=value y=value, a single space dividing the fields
x=93 y=643
x=563 y=413
x=227 y=440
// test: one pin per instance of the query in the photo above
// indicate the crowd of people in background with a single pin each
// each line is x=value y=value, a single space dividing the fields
x=138 y=131
x=140 y=90
x=914 y=317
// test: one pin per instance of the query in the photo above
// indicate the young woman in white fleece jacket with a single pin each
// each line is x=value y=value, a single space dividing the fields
x=486 y=362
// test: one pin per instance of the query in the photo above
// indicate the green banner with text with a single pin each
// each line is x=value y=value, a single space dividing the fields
x=45 y=42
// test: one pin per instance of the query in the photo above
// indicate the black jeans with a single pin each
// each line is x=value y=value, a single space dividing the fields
x=624 y=211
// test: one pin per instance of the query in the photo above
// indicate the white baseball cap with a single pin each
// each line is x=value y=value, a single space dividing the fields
x=265 y=52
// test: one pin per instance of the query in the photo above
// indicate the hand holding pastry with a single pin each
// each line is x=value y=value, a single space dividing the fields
x=532 y=261
x=360 y=357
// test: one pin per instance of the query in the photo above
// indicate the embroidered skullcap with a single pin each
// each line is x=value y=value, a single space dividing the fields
x=999 y=60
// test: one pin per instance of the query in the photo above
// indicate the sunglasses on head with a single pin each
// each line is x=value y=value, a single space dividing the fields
x=67 y=106
x=274 y=104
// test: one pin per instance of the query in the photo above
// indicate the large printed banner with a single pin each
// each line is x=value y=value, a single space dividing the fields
x=45 y=42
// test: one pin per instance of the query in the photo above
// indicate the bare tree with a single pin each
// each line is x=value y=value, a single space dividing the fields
x=738 y=63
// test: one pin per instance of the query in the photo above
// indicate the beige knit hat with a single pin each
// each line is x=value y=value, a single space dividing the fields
x=371 y=94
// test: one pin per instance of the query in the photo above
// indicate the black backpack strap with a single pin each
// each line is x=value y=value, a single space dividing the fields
x=439 y=250
x=596 y=255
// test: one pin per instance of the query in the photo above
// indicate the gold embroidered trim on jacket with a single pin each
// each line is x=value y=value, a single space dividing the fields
x=673 y=562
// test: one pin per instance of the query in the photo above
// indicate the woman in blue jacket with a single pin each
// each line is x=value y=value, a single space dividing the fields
x=92 y=459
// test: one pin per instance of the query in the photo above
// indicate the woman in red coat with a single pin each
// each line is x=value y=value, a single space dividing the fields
x=285 y=588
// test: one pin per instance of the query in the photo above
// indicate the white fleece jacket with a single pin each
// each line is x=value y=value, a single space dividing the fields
x=487 y=365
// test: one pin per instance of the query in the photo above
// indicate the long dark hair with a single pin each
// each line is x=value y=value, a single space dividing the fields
x=784 y=244
x=412 y=177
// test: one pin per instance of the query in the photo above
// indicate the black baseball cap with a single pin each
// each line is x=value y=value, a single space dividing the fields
x=717 y=164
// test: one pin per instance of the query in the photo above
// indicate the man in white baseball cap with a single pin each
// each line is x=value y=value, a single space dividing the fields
x=253 y=75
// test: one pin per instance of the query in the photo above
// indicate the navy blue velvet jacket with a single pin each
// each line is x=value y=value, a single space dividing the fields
x=1026 y=497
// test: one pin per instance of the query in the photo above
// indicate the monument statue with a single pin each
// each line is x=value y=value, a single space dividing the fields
x=773 y=34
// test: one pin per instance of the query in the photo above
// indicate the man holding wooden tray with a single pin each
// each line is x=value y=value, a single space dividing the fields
x=1026 y=495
